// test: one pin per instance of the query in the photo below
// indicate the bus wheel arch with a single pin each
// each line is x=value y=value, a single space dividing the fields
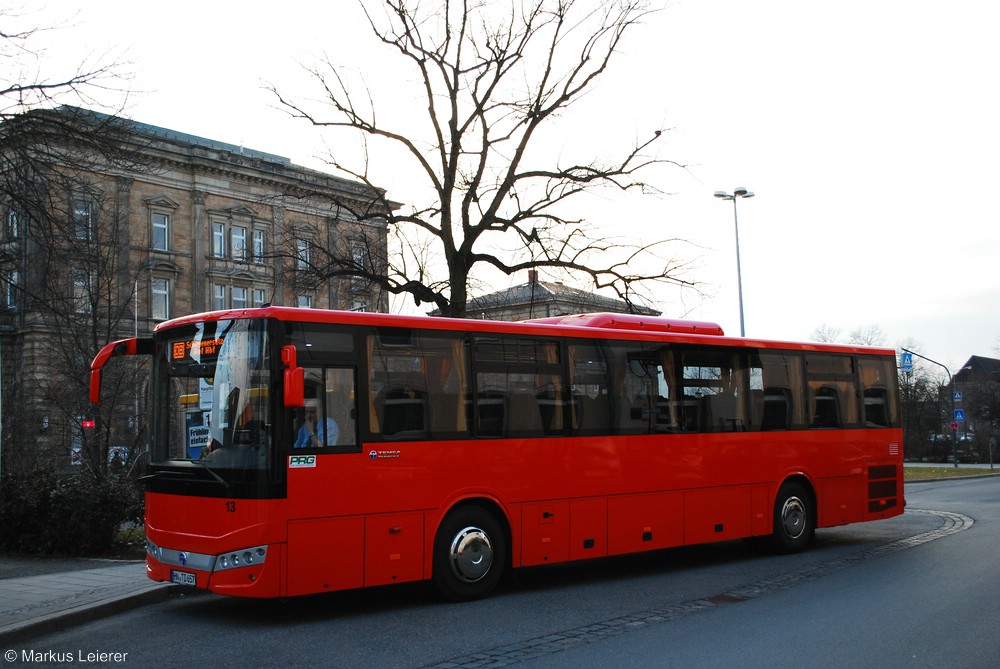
x=471 y=550
x=794 y=515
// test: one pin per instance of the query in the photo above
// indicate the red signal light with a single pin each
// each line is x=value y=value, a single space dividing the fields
x=87 y=424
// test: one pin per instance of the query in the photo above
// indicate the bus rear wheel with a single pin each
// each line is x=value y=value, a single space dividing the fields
x=470 y=552
x=794 y=519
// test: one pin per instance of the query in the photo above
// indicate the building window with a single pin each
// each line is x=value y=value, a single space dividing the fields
x=239 y=295
x=238 y=242
x=13 y=224
x=161 y=232
x=81 y=291
x=218 y=297
x=83 y=219
x=259 y=297
x=258 y=246
x=10 y=284
x=305 y=301
x=219 y=240
x=160 y=302
x=302 y=253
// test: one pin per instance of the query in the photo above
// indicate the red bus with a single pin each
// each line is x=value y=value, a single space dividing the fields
x=297 y=451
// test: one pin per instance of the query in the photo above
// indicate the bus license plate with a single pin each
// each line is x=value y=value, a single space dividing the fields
x=182 y=577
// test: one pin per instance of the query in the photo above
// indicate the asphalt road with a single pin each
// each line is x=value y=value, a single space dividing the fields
x=915 y=591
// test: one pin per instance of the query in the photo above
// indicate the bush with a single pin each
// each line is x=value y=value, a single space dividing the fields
x=76 y=515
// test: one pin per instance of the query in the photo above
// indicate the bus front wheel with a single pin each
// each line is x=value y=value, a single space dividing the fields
x=794 y=518
x=469 y=554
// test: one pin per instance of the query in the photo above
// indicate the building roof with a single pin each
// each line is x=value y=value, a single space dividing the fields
x=156 y=132
x=566 y=298
x=979 y=368
x=194 y=140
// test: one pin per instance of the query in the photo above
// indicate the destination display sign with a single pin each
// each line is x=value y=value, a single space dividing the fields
x=202 y=347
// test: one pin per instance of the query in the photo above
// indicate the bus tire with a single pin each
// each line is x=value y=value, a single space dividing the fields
x=470 y=552
x=794 y=518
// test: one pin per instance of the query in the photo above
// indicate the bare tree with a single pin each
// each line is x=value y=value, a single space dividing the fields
x=826 y=334
x=923 y=394
x=65 y=289
x=868 y=335
x=494 y=80
x=78 y=294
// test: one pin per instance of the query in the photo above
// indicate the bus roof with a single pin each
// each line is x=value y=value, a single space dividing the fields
x=600 y=325
x=632 y=322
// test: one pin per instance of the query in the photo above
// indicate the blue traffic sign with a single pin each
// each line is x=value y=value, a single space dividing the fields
x=960 y=414
x=906 y=362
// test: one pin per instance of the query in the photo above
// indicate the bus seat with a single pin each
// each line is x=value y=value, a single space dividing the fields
x=592 y=413
x=527 y=418
x=776 y=409
x=721 y=413
x=875 y=407
x=826 y=408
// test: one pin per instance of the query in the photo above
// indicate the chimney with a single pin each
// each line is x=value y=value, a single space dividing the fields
x=532 y=276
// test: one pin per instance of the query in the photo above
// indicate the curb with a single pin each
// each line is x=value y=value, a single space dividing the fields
x=952 y=478
x=50 y=622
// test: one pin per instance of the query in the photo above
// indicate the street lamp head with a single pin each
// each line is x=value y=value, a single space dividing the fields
x=738 y=192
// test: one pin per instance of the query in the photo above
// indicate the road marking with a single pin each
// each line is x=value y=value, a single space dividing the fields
x=531 y=649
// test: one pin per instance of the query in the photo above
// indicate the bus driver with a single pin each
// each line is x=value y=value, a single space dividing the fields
x=314 y=434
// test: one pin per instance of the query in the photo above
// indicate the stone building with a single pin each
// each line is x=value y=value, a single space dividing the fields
x=544 y=299
x=197 y=225
x=978 y=386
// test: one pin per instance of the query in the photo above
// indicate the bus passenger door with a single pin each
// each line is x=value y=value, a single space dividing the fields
x=326 y=533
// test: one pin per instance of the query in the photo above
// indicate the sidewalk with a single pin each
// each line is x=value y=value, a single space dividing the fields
x=58 y=594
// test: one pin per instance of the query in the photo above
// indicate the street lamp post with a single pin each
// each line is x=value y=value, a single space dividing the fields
x=737 y=193
x=951 y=384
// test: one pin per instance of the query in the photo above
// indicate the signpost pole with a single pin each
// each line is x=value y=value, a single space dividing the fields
x=954 y=423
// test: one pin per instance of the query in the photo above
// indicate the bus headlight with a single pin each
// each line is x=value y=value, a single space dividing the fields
x=246 y=557
x=154 y=551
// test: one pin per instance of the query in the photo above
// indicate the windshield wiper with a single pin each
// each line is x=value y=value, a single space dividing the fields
x=160 y=472
x=211 y=471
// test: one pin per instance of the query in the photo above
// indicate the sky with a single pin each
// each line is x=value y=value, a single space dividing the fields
x=868 y=132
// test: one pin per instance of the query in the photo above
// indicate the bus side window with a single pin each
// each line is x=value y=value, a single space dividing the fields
x=590 y=402
x=329 y=416
x=519 y=386
x=876 y=380
x=340 y=404
x=310 y=419
x=635 y=375
x=714 y=390
x=833 y=391
x=776 y=391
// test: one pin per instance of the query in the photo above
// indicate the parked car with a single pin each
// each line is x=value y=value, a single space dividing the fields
x=939 y=448
x=965 y=447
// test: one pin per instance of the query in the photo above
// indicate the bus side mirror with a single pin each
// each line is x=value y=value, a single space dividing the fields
x=295 y=379
x=121 y=347
x=95 y=386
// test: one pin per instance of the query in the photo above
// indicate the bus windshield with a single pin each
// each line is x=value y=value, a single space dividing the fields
x=214 y=408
